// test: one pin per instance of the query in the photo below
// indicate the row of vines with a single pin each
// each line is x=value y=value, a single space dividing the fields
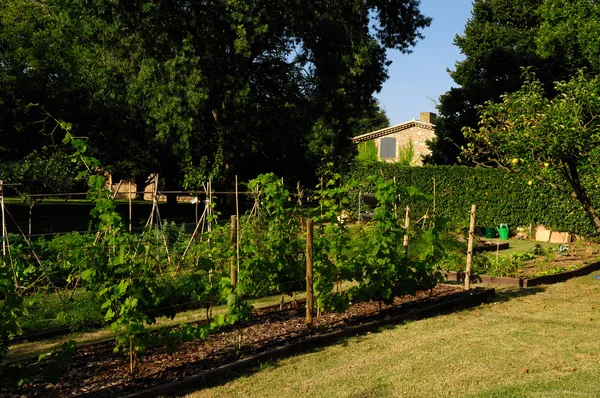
x=135 y=278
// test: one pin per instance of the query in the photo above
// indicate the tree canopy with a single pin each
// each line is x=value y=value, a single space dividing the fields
x=499 y=39
x=548 y=137
x=198 y=90
x=569 y=31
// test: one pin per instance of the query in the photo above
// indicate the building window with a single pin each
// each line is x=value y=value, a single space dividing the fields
x=387 y=148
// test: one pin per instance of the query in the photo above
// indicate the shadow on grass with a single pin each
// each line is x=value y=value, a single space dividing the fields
x=503 y=295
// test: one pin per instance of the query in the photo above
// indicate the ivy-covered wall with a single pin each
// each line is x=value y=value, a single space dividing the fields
x=500 y=196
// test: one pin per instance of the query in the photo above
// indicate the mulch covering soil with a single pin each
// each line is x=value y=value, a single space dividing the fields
x=98 y=372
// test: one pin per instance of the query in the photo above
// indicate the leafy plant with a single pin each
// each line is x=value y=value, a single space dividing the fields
x=563 y=249
x=538 y=250
x=383 y=271
x=406 y=154
x=333 y=260
x=367 y=152
x=273 y=251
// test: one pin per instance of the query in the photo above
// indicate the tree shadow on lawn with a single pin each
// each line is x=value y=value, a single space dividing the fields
x=507 y=294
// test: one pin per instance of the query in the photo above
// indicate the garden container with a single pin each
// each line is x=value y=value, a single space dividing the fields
x=490 y=232
x=503 y=231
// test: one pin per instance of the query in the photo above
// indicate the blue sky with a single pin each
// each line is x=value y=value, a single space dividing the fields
x=423 y=73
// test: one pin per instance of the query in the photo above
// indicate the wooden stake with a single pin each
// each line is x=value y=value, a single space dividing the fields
x=309 y=272
x=200 y=222
x=129 y=196
x=395 y=201
x=114 y=196
x=31 y=204
x=470 y=248
x=237 y=226
x=209 y=211
x=131 y=356
x=497 y=250
x=358 y=217
x=406 y=227
x=433 y=195
x=3 y=221
x=232 y=263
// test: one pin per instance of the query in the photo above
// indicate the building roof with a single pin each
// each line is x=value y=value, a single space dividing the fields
x=392 y=129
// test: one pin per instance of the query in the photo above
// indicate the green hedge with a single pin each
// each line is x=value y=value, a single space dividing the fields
x=500 y=196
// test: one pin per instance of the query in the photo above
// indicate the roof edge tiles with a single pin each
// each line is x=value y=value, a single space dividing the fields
x=392 y=130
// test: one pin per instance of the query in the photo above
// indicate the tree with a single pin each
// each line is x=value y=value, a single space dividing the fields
x=570 y=31
x=498 y=40
x=33 y=54
x=205 y=89
x=44 y=61
x=547 y=137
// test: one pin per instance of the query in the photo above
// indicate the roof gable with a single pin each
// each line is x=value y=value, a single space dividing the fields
x=392 y=130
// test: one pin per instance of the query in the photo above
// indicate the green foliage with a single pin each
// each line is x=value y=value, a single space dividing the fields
x=270 y=245
x=406 y=154
x=371 y=256
x=239 y=312
x=12 y=309
x=203 y=91
x=500 y=196
x=44 y=171
x=383 y=271
x=509 y=265
x=333 y=257
x=538 y=250
x=367 y=151
x=569 y=31
x=57 y=360
x=498 y=40
x=551 y=138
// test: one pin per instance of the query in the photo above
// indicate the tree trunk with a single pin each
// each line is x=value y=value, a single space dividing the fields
x=570 y=173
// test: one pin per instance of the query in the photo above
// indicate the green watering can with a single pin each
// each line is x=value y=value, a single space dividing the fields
x=503 y=231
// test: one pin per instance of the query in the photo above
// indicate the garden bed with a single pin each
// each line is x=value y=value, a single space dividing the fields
x=534 y=267
x=97 y=371
x=452 y=276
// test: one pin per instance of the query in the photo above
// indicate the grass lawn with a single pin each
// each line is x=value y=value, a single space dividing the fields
x=519 y=246
x=537 y=342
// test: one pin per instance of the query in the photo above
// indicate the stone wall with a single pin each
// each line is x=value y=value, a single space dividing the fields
x=418 y=135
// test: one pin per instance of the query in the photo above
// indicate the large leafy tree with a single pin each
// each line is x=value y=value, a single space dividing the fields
x=35 y=66
x=499 y=39
x=547 y=137
x=569 y=31
x=200 y=89
x=553 y=134
x=45 y=62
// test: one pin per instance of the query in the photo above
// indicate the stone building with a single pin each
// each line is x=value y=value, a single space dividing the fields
x=391 y=142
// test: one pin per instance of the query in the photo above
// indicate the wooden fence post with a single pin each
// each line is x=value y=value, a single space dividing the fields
x=470 y=248
x=233 y=262
x=129 y=196
x=31 y=204
x=3 y=222
x=309 y=272
x=406 y=227
x=237 y=226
